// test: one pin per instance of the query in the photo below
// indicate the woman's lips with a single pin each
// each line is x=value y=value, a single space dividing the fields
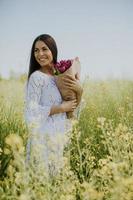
x=42 y=59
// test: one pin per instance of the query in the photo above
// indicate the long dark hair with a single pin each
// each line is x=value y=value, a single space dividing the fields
x=50 y=42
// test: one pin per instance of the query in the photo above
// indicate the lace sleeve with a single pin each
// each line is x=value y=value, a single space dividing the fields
x=35 y=113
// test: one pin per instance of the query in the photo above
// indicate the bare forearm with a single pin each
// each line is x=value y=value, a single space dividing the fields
x=65 y=106
x=55 y=109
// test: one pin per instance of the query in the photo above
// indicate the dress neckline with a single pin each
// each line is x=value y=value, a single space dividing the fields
x=51 y=76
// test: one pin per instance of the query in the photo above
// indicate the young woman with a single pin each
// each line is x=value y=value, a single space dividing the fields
x=45 y=111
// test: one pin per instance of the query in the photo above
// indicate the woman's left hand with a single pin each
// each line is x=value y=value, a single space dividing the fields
x=72 y=84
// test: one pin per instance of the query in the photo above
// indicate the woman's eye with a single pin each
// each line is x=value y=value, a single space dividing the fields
x=35 y=50
x=44 y=49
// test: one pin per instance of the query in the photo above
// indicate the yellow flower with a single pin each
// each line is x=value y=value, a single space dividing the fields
x=1 y=151
x=101 y=120
x=10 y=170
x=74 y=122
x=24 y=197
x=6 y=151
x=14 y=141
x=18 y=178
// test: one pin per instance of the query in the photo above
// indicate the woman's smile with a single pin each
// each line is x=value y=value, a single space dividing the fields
x=42 y=59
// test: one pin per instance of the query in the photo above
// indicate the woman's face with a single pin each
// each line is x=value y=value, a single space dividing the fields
x=42 y=54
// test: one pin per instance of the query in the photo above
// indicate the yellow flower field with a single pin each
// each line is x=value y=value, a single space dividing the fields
x=98 y=161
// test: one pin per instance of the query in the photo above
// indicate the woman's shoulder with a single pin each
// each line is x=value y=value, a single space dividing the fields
x=36 y=74
x=40 y=74
x=41 y=78
x=37 y=78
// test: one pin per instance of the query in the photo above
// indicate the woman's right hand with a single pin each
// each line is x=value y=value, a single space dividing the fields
x=69 y=105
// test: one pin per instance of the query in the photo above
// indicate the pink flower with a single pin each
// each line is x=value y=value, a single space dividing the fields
x=62 y=66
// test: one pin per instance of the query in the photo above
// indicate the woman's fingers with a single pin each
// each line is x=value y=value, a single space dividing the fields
x=69 y=81
x=69 y=77
x=74 y=103
x=69 y=85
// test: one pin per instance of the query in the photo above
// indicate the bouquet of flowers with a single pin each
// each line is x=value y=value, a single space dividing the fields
x=62 y=69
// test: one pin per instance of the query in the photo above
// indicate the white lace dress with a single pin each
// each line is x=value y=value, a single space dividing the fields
x=47 y=133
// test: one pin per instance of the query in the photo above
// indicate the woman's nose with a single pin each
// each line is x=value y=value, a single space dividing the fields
x=41 y=52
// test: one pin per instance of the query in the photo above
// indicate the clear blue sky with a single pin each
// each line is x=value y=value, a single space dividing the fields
x=100 y=32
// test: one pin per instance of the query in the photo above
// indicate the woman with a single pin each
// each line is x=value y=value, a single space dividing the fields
x=45 y=111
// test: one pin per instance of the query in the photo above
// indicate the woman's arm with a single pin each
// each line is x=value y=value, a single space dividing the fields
x=65 y=106
x=34 y=112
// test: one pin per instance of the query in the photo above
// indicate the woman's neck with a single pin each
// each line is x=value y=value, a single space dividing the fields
x=48 y=70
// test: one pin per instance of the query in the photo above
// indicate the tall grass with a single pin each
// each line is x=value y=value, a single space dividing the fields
x=98 y=161
x=11 y=109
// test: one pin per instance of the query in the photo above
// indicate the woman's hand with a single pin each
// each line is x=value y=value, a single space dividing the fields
x=72 y=84
x=65 y=106
x=68 y=105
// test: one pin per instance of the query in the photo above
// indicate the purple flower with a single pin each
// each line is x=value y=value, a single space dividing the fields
x=62 y=66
